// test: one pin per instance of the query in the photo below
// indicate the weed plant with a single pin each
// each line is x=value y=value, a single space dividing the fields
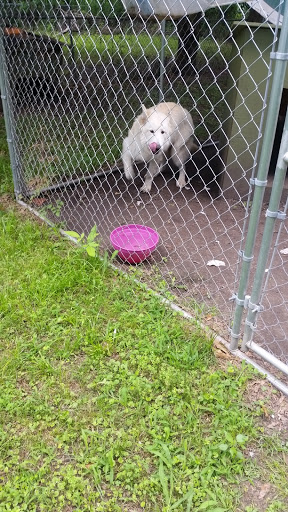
x=109 y=400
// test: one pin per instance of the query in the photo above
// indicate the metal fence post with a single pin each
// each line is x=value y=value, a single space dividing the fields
x=272 y=214
x=162 y=60
x=19 y=188
x=261 y=180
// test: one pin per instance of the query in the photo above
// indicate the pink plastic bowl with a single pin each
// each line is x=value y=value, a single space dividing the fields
x=134 y=242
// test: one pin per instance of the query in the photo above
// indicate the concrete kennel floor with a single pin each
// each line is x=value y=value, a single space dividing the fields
x=194 y=228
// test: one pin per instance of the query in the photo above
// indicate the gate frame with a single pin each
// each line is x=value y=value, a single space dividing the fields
x=260 y=182
x=8 y=112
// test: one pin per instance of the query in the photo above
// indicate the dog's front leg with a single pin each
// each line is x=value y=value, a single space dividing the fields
x=153 y=169
x=127 y=160
x=179 y=157
x=181 y=182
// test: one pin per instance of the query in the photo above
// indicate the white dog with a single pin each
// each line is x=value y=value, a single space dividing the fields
x=162 y=131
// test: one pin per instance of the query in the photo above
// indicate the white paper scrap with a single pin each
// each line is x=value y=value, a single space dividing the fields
x=216 y=263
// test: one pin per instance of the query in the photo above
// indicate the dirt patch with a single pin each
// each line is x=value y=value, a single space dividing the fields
x=194 y=228
x=259 y=495
x=274 y=406
x=273 y=419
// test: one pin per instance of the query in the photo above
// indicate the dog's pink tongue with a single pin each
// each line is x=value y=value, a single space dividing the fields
x=153 y=147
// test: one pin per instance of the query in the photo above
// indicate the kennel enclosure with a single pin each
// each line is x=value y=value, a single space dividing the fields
x=73 y=80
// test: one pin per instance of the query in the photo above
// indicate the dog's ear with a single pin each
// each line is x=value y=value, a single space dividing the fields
x=143 y=116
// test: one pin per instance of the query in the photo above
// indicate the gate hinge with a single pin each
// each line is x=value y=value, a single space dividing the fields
x=279 y=56
x=258 y=183
x=251 y=325
x=276 y=215
x=241 y=302
x=256 y=308
x=236 y=336
x=245 y=258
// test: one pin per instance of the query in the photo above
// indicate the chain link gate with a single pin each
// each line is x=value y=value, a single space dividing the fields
x=73 y=79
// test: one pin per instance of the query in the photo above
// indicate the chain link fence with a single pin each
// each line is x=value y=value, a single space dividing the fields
x=73 y=79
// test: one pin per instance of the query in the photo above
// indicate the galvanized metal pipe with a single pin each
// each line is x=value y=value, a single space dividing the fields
x=162 y=61
x=9 y=117
x=272 y=215
x=255 y=160
x=267 y=356
x=269 y=134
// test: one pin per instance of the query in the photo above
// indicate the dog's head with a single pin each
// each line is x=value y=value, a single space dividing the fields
x=155 y=129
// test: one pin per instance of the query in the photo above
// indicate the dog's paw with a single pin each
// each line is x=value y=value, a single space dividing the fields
x=129 y=173
x=181 y=183
x=145 y=188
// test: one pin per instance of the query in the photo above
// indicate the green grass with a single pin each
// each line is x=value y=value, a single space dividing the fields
x=117 y=48
x=109 y=400
x=129 y=48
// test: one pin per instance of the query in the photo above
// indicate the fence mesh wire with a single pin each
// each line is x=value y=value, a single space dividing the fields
x=272 y=325
x=77 y=78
